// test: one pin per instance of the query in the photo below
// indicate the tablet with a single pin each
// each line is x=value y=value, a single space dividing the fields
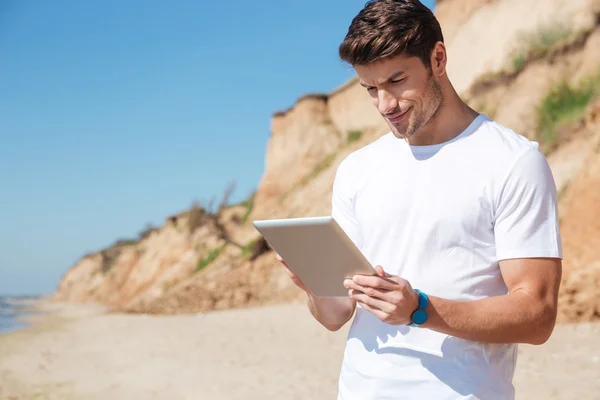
x=317 y=250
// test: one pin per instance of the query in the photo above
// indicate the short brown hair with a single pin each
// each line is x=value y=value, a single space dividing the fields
x=387 y=28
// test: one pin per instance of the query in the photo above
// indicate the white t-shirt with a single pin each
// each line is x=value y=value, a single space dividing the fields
x=441 y=216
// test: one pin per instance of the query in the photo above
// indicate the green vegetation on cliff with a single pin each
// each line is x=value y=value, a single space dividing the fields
x=564 y=105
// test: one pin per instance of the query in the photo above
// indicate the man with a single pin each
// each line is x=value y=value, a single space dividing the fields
x=458 y=213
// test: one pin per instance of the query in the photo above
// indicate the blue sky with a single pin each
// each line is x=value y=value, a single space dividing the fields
x=116 y=114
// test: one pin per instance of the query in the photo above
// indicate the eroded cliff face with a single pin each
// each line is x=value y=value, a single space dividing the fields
x=305 y=142
x=128 y=272
x=580 y=228
x=482 y=35
x=197 y=263
x=580 y=203
x=300 y=138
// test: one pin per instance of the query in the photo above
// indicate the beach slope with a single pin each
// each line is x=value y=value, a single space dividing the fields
x=82 y=352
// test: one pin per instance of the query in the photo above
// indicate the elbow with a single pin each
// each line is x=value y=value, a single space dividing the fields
x=333 y=327
x=540 y=338
x=544 y=324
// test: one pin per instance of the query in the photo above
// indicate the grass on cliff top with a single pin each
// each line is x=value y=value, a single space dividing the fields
x=564 y=105
x=196 y=217
x=147 y=231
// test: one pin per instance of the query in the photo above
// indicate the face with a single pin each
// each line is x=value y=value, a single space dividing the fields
x=405 y=92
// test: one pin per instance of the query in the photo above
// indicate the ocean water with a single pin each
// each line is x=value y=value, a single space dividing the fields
x=11 y=309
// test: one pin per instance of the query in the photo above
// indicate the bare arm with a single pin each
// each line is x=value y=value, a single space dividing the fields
x=332 y=313
x=526 y=315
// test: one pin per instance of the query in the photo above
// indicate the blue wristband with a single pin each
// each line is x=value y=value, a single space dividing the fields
x=419 y=316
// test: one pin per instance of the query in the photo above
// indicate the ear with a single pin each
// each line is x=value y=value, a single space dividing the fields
x=439 y=59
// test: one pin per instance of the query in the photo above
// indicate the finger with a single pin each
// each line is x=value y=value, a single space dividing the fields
x=376 y=312
x=388 y=296
x=297 y=280
x=287 y=267
x=292 y=275
x=381 y=272
x=369 y=291
x=372 y=302
x=377 y=282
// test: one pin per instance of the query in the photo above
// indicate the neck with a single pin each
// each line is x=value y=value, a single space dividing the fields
x=450 y=120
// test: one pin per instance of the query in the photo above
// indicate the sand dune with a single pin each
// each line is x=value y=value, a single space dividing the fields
x=276 y=352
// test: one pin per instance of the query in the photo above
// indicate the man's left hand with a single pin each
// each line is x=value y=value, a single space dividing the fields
x=388 y=297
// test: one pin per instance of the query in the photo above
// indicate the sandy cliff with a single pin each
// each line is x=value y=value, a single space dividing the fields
x=480 y=34
x=512 y=60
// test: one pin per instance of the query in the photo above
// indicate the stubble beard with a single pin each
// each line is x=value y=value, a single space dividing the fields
x=419 y=118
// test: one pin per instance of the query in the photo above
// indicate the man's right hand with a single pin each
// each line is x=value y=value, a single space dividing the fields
x=293 y=276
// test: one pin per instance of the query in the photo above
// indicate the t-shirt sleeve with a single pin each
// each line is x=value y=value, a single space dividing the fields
x=526 y=219
x=343 y=200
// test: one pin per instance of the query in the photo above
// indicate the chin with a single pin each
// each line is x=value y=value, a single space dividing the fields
x=401 y=134
x=403 y=131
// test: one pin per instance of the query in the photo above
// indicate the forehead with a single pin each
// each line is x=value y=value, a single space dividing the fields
x=381 y=70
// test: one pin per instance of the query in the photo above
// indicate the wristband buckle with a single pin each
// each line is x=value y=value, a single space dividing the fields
x=419 y=316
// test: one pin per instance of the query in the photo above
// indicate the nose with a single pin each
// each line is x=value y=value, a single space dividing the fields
x=386 y=103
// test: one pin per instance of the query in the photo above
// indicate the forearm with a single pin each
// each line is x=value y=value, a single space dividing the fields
x=332 y=313
x=513 y=318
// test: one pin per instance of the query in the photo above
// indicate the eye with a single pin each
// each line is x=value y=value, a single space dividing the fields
x=399 y=80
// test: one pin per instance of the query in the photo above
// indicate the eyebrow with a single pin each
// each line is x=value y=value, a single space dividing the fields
x=391 y=78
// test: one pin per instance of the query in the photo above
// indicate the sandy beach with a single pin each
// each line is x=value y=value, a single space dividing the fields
x=279 y=352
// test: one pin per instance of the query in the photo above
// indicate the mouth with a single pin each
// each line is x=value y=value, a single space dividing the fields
x=395 y=118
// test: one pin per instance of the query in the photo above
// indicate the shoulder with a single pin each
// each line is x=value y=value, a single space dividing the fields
x=357 y=159
x=503 y=144
x=516 y=162
x=497 y=149
x=352 y=171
